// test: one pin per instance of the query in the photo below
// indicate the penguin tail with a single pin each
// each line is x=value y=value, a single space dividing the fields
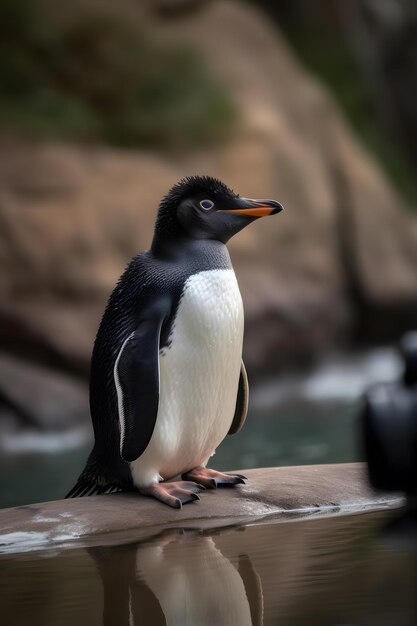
x=93 y=482
x=85 y=487
x=82 y=488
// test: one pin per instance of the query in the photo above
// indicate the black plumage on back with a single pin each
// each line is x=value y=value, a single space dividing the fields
x=105 y=469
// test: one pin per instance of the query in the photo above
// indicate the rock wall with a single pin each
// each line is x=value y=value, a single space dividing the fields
x=343 y=255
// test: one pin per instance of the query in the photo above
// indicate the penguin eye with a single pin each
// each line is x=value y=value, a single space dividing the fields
x=206 y=205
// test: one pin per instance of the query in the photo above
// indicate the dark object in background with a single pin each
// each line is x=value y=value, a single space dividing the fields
x=389 y=423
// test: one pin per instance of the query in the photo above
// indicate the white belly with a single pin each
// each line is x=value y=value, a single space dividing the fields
x=199 y=376
x=211 y=592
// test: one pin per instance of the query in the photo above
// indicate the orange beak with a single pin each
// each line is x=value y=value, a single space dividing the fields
x=256 y=208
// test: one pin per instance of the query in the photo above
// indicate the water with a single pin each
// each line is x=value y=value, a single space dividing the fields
x=327 y=571
x=29 y=477
x=292 y=421
x=293 y=433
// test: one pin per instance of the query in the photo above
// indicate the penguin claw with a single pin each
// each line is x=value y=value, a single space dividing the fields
x=173 y=494
x=230 y=481
x=211 y=479
x=189 y=496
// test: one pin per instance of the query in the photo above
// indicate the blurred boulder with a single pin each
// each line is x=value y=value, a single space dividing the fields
x=342 y=257
x=34 y=398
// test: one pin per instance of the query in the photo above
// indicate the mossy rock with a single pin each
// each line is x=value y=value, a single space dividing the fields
x=99 y=76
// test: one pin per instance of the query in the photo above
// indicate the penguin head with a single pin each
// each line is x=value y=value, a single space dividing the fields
x=201 y=207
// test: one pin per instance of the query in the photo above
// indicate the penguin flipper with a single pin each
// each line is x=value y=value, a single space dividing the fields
x=242 y=402
x=136 y=375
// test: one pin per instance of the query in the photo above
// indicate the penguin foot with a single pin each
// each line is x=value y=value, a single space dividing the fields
x=211 y=479
x=174 y=494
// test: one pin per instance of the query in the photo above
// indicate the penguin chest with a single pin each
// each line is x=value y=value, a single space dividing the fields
x=199 y=376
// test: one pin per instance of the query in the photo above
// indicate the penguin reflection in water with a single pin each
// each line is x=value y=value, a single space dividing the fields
x=167 y=379
x=178 y=580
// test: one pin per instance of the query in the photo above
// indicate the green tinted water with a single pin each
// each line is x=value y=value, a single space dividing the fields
x=295 y=434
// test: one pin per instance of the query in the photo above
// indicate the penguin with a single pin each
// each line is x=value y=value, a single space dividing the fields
x=178 y=578
x=195 y=583
x=167 y=380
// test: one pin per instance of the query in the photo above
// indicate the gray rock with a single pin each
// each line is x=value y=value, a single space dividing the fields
x=272 y=493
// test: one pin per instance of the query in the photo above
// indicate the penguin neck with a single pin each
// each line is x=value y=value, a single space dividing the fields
x=177 y=248
x=167 y=244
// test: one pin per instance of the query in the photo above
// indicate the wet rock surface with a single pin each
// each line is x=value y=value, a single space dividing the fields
x=118 y=518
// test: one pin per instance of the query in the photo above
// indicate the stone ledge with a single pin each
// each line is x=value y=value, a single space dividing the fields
x=120 y=518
